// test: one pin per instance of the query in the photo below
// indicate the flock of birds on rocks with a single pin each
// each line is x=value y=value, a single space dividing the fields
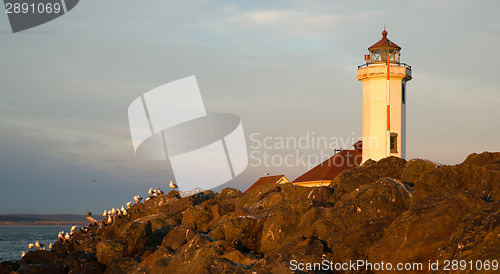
x=109 y=217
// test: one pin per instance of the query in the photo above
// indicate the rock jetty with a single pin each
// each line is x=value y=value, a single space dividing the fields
x=391 y=210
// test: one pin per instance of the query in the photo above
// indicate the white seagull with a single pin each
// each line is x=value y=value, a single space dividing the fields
x=129 y=204
x=105 y=213
x=30 y=246
x=51 y=245
x=172 y=185
x=38 y=245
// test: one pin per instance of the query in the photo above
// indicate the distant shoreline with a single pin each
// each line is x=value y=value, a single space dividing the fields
x=42 y=223
x=42 y=220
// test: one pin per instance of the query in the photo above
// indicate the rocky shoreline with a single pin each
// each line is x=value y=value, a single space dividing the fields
x=390 y=210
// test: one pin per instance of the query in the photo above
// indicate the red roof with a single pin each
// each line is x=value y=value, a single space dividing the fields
x=265 y=180
x=329 y=169
x=384 y=43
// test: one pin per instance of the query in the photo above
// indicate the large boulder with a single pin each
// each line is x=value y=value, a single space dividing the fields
x=77 y=259
x=358 y=219
x=42 y=268
x=178 y=236
x=301 y=249
x=89 y=268
x=108 y=251
x=206 y=259
x=41 y=257
x=480 y=181
x=489 y=160
x=121 y=265
x=136 y=237
x=244 y=229
x=163 y=252
x=415 y=169
x=256 y=194
x=8 y=267
x=477 y=238
x=199 y=216
x=416 y=235
x=369 y=172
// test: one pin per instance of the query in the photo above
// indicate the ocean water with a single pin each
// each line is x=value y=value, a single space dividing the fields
x=15 y=239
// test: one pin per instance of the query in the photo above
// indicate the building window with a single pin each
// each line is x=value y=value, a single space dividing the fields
x=403 y=93
x=394 y=143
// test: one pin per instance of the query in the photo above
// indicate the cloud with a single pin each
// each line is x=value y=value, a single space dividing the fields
x=282 y=22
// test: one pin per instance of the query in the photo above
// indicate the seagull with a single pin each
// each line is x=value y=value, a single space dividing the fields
x=73 y=228
x=22 y=255
x=160 y=192
x=67 y=237
x=267 y=174
x=151 y=191
x=124 y=212
x=172 y=185
x=105 y=213
x=129 y=204
x=110 y=220
x=137 y=198
x=89 y=217
x=147 y=199
x=60 y=236
x=38 y=245
x=113 y=211
x=51 y=245
x=30 y=246
x=122 y=209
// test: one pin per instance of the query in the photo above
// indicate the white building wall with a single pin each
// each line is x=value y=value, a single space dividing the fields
x=375 y=137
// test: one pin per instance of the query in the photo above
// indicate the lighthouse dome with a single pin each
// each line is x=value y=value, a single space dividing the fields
x=383 y=49
x=384 y=43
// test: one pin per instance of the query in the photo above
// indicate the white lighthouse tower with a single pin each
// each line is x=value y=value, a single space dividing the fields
x=384 y=80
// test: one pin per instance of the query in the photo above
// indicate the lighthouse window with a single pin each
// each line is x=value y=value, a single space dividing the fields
x=394 y=143
x=403 y=93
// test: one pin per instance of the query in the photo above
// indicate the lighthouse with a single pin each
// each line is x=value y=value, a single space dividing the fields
x=384 y=80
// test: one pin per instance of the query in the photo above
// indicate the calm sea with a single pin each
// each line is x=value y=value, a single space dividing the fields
x=15 y=239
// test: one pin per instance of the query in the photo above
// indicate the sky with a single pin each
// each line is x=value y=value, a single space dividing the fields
x=287 y=69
